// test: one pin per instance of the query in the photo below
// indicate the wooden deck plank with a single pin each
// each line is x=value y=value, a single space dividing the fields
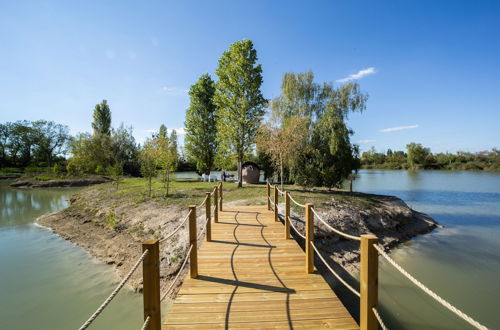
x=251 y=277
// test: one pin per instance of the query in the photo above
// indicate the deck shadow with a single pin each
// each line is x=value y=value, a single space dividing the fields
x=245 y=284
x=244 y=244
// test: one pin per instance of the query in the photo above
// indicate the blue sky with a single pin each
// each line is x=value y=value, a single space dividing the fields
x=431 y=68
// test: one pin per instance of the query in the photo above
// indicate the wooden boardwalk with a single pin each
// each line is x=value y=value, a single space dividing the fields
x=251 y=277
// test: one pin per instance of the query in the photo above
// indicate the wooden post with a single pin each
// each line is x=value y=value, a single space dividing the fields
x=220 y=196
x=268 y=196
x=193 y=240
x=309 y=239
x=275 y=203
x=208 y=208
x=287 y=215
x=216 y=209
x=151 y=283
x=368 y=282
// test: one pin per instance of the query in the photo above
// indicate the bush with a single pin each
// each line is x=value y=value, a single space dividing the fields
x=71 y=168
x=100 y=170
x=57 y=169
x=111 y=220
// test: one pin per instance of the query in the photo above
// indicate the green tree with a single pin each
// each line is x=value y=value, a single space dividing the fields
x=239 y=100
x=102 y=119
x=416 y=154
x=148 y=160
x=167 y=158
x=51 y=139
x=200 y=139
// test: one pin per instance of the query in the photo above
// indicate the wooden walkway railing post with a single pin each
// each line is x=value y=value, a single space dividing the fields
x=275 y=203
x=193 y=240
x=268 y=196
x=309 y=239
x=368 y=282
x=151 y=284
x=220 y=196
x=208 y=217
x=216 y=208
x=287 y=215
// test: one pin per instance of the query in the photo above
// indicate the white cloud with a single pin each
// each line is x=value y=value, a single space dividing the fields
x=359 y=75
x=397 y=128
x=366 y=141
x=174 y=90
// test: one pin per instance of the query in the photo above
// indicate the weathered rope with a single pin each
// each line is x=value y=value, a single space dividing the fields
x=379 y=319
x=203 y=203
x=115 y=292
x=177 y=229
x=203 y=228
x=431 y=293
x=333 y=272
x=280 y=191
x=178 y=273
x=295 y=228
x=146 y=323
x=356 y=238
x=297 y=203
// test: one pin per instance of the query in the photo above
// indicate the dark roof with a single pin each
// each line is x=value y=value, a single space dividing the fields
x=250 y=164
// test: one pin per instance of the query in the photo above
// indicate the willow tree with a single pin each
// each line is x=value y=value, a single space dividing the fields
x=200 y=124
x=326 y=156
x=239 y=100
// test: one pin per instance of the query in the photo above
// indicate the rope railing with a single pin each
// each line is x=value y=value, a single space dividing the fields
x=178 y=274
x=296 y=203
x=114 y=293
x=356 y=238
x=379 y=319
x=295 y=229
x=281 y=192
x=202 y=203
x=203 y=229
x=177 y=229
x=146 y=323
x=334 y=272
x=431 y=293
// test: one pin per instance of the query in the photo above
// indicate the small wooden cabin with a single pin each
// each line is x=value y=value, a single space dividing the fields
x=250 y=172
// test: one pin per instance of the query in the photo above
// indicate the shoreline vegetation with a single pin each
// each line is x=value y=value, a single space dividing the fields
x=112 y=223
x=418 y=157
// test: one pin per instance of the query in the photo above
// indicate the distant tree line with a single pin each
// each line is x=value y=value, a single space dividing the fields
x=418 y=157
x=38 y=143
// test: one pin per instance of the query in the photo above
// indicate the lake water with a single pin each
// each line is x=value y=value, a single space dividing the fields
x=48 y=283
x=460 y=262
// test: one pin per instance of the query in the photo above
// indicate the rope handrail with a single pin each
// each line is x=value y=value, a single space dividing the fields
x=115 y=292
x=202 y=203
x=177 y=229
x=356 y=238
x=280 y=191
x=379 y=319
x=203 y=229
x=146 y=323
x=178 y=273
x=431 y=293
x=333 y=272
x=297 y=203
x=295 y=228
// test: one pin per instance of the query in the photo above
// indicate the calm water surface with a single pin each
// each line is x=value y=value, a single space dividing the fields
x=45 y=281
x=48 y=283
x=460 y=262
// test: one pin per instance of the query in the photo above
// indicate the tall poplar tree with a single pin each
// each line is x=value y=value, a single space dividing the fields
x=239 y=100
x=102 y=119
x=200 y=139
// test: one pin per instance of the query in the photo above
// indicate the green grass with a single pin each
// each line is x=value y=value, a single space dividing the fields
x=190 y=192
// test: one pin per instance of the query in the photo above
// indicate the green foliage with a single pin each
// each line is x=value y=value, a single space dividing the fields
x=166 y=155
x=72 y=168
x=200 y=139
x=239 y=100
x=147 y=157
x=102 y=119
x=324 y=156
x=417 y=154
x=111 y=220
x=57 y=169
x=100 y=170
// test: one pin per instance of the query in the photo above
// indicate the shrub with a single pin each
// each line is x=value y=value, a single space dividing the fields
x=111 y=220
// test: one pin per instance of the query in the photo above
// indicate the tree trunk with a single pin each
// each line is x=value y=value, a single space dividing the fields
x=150 y=186
x=168 y=180
x=240 y=177
x=281 y=172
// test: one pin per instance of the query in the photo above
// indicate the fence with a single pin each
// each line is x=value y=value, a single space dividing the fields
x=150 y=259
x=369 y=316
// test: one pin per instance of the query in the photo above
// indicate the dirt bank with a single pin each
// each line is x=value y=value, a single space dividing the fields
x=112 y=227
x=68 y=182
